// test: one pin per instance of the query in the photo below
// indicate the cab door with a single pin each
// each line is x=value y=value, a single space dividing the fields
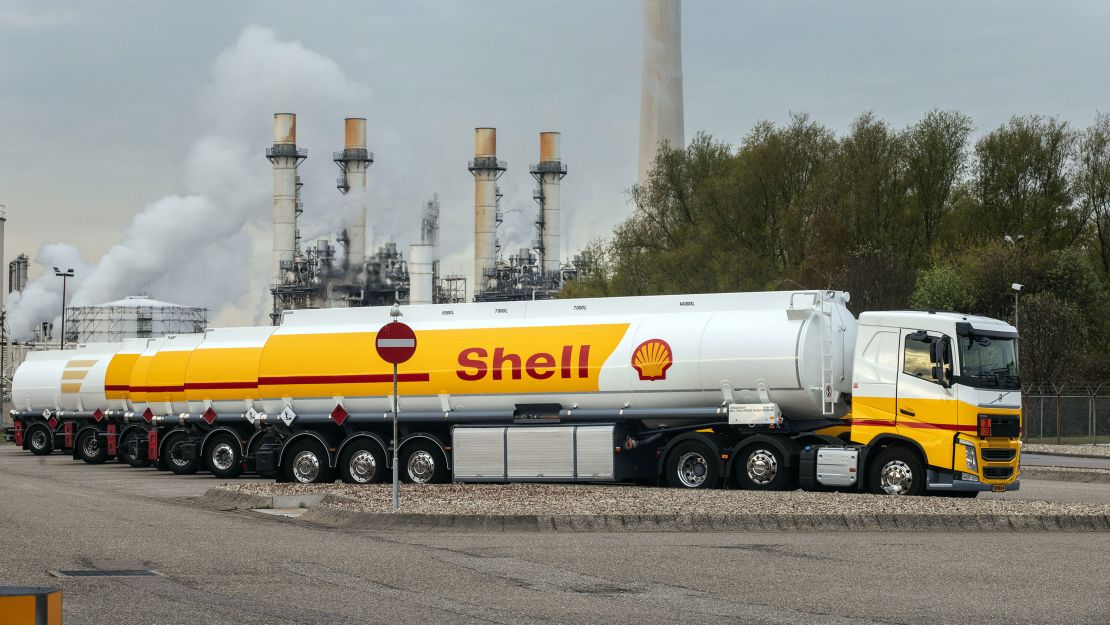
x=926 y=402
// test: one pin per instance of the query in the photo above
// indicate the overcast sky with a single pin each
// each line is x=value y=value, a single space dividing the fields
x=108 y=109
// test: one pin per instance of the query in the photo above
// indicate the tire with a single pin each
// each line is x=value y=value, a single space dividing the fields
x=223 y=456
x=762 y=466
x=90 y=448
x=422 y=463
x=896 y=471
x=139 y=459
x=170 y=459
x=362 y=462
x=306 y=462
x=692 y=465
x=40 y=440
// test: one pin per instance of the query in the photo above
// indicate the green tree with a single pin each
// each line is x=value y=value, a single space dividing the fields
x=1023 y=182
x=1093 y=184
x=936 y=160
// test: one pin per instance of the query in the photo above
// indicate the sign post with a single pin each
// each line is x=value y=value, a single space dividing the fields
x=395 y=343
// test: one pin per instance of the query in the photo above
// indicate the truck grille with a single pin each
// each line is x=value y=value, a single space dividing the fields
x=997 y=473
x=998 y=455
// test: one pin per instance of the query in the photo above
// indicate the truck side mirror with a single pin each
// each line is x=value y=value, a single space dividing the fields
x=942 y=358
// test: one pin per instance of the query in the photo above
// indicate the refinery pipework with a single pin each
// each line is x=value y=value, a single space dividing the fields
x=486 y=169
x=353 y=162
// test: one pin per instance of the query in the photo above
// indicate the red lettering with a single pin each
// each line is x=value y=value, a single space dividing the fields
x=584 y=361
x=565 y=362
x=540 y=366
x=479 y=366
x=500 y=358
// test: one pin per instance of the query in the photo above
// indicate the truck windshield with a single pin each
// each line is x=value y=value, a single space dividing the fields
x=989 y=362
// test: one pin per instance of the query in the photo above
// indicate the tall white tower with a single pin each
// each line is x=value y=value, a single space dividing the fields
x=486 y=169
x=353 y=162
x=285 y=157
x=661 y=81
x=548 y=172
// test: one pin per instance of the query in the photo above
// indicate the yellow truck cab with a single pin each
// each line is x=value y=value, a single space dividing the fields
x=936 y=395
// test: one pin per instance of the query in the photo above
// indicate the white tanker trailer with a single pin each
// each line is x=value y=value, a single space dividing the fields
x=760 y=390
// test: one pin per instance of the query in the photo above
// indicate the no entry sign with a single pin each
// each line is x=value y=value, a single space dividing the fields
x=396 y=342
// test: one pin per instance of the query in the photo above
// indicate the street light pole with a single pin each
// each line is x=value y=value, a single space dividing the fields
x=64 y=275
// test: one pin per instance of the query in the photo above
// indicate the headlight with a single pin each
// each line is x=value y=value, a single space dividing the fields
x=972 y=462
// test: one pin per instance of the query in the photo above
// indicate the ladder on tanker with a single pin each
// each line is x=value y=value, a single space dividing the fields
x=828 y=394
x=823 y=307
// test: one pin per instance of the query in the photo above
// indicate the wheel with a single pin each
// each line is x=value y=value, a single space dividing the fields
x=171 y=456
x=362 y=462
x=691 y=465
x=306 y=462
x=40 y=440
x=90 y=449
x=223 y=455
x=763 y=467
x=132 y=450
x=896 y=471
x=422 y=463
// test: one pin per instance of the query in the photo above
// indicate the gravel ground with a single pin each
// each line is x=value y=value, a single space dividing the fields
x=555 y=499
x=1099 y=451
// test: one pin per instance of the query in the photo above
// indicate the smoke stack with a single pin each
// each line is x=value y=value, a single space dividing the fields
x=285 y=157
x=486 y=169
x=353 y=162
x=661 y=81
x=548 y=173
x=422 y=256
x=17 y=273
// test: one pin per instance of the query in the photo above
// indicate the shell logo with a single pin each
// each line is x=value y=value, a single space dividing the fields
x=652 y=359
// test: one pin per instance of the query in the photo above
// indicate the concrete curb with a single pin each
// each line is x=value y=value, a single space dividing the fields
x=320 y=513
x=1066 y=474
x=220 y=499
x=347 y=519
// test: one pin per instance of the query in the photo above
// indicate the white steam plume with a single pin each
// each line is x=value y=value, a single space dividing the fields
x=200 y=247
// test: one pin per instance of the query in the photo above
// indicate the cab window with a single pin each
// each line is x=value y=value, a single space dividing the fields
x=918 y=360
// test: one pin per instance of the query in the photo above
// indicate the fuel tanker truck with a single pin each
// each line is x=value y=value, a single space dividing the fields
x=763 y=391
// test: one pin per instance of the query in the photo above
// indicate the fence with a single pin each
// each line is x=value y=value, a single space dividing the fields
x=1069 y=418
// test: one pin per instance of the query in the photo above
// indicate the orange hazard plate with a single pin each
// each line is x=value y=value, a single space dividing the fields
x=999 y=488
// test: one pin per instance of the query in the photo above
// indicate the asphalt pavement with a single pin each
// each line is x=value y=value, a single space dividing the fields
x=1054 y=460
x=243 y=567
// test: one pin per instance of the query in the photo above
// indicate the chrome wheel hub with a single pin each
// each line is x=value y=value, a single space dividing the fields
x=90 y=447
x=223 y=456
x=692 y=469
x=896 y=478
x=421 y=467
x=306 y=467
x=175 y=455
x=762 y=467
x=38 y=439
x=363 y=466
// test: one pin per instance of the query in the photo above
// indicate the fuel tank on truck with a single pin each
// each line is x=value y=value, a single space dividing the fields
x=656 y=352
x=70 y=380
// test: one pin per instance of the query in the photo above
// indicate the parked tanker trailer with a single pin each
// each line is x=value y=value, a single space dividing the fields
x=764 y=391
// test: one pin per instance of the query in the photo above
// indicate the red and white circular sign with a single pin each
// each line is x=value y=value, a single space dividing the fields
x=396 y=342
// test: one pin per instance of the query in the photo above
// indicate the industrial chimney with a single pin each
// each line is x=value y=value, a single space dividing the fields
x=353 y=162
x=422 y=256
x=548 y=172
x=486 y=169
x=285 y=158
x=661 y=81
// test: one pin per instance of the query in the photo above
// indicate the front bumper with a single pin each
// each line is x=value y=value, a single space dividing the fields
x=945 y=481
